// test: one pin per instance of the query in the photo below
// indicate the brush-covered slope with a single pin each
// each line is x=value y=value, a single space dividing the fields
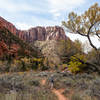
x=11 y=44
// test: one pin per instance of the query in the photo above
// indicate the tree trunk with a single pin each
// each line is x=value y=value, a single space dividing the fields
x=91 y=42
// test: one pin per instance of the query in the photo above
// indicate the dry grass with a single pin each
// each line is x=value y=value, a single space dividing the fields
x=77 y=87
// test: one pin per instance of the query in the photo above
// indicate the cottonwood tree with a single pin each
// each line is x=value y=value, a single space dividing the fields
x=87 y=24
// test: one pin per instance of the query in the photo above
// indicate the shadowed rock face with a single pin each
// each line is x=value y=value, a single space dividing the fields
x=36 y=33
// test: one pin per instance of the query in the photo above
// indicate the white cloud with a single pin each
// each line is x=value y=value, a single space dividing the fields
x=65 y=4
x=23 y=26
x=55 y=7
x=59 y=7
x=57 y=14
x=40 y=21
x=84 y=40
x=35 y=21
x=14 y=7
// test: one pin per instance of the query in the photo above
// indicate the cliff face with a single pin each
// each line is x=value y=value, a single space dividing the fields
x=8 y=25
x=36 y=33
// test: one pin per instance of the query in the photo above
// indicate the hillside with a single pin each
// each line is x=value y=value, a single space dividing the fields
x=11 y=44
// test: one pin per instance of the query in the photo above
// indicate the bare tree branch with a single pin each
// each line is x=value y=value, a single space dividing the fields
x=81 y=33
x=88 y=36
x=97 y=35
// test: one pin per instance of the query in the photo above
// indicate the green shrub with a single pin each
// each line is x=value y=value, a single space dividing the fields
x=34 y=83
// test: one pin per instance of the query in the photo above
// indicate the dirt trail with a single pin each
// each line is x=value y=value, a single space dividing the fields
x=59 y=94
x=43 y=82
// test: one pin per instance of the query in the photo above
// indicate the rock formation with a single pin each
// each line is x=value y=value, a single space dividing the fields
x=36 y=33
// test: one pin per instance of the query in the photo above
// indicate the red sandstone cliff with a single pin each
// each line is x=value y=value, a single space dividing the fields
x=36 y=33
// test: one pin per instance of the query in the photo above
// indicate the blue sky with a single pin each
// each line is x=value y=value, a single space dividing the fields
x=29 y=13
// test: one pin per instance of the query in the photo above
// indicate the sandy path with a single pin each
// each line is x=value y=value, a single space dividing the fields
x=43 y=82
x=58 y=93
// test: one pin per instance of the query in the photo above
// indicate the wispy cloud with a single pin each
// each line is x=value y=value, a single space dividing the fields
x=9 y=6
x=36 y=21
x=23 y=26
x=58 y=5
x=62 y=6
x=40 y=12
x=15 y=7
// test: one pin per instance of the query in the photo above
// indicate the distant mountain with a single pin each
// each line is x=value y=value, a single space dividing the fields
x=36 y=33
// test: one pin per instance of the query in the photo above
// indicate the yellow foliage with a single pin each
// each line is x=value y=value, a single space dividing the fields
x=37 y=59
x=75 y=65
x=25 y=59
